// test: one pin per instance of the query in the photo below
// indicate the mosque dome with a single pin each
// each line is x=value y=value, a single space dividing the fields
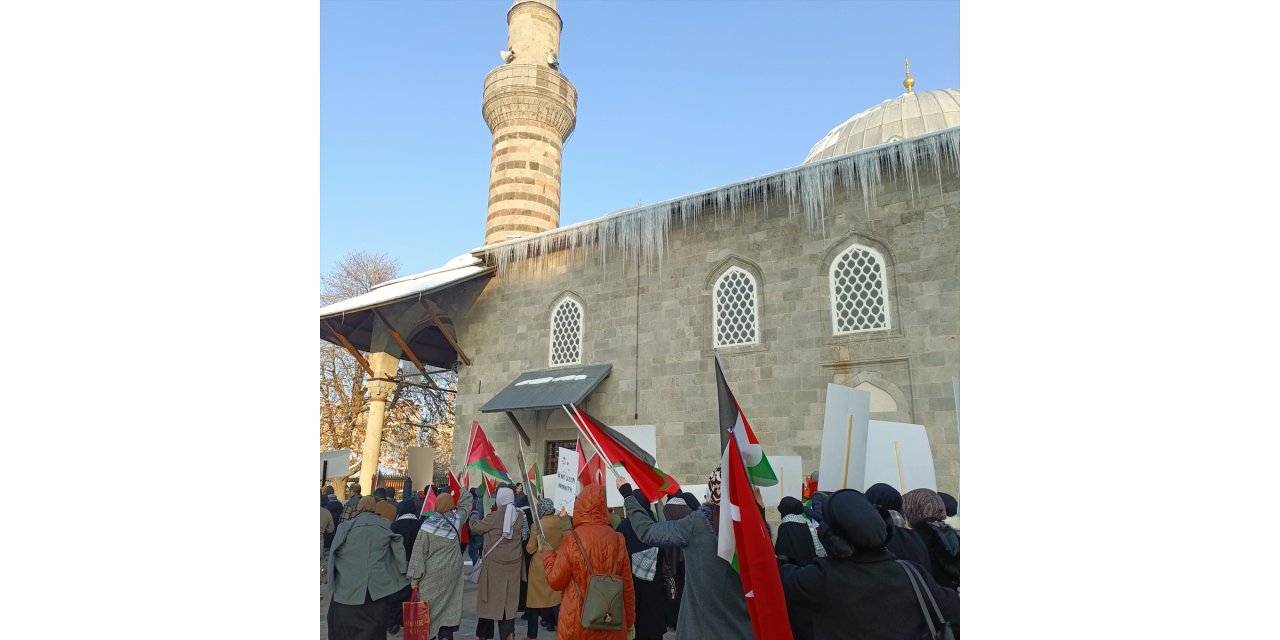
x=908 y=115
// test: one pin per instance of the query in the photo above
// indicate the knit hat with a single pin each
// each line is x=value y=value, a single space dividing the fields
x=546 y=507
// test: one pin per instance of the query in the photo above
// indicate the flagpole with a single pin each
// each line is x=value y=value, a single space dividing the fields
x=591 y=439
x=524 y=475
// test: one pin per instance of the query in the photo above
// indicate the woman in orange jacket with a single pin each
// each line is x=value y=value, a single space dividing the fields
x=607 y=552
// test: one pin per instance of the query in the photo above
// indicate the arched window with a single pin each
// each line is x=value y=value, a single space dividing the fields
x=735 y=308
x=858 y=301
x=566 y=333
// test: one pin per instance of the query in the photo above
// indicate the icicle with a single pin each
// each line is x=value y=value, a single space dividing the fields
x=640 y=234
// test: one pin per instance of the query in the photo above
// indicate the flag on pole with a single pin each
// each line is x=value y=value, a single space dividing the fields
x=592 y=472
x=429 y=504
x=743 y=541
x=491 y=486
x=617 y=449
x=535 y=479
x=582 y=454
x=734 y=421
x=483 y=458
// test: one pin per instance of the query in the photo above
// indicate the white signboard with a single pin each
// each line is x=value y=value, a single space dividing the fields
x=549 y=487
x=566 y=484
x=898 y=455
x=339 y=463
x=790 y=479
x=646 y=437
x=422 y=466
x=844 y=439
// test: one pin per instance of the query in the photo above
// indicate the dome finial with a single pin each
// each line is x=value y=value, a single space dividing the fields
x=909 y=83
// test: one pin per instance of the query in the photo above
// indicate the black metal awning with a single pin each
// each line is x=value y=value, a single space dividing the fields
x=548 y=388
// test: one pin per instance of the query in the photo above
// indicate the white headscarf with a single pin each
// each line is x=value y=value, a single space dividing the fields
x=507 y=498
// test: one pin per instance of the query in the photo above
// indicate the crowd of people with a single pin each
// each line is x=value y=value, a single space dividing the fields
x=853 y=565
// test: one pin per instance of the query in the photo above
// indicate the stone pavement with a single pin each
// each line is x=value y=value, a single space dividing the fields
x=468 y=630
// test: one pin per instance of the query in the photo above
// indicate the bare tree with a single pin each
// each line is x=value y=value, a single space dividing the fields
x=415 y=416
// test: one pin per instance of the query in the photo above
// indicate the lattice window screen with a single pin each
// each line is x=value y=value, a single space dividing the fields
x=858 y=291
x=736 y=316
x=566 y=333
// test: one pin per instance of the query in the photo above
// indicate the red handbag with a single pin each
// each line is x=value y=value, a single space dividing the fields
x=417 y=618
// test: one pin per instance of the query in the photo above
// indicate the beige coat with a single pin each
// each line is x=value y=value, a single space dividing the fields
x=541 y=595
x=501 y=571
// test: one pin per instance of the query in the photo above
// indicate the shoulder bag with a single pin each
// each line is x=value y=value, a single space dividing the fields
x=602 y=606
x=474 y=576
x=941 y=630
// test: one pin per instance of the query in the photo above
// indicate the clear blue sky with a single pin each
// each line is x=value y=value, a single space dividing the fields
x=673 y=98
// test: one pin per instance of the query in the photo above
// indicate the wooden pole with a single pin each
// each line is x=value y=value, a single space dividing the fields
x=848 y=444
x=591 y=439
x=524 y=475
x=897 y=452
x=364 y=364
x=519 y=429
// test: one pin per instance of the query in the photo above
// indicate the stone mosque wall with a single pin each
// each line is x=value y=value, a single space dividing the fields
x=657 y=330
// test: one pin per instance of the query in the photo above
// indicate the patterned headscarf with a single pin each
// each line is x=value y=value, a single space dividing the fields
x=923 y=505
x=713 y=487
x=546 y=507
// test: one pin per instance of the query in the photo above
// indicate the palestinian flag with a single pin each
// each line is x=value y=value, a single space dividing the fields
x=733 y=420
x=491 y=486
x=429 y=504
x=535 y=480
x=482 y=457
x=592 y=472
x=743 y=541
x=617 y=449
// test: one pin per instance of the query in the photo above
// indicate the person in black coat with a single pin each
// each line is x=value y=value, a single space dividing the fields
x=407 y=524
x=651 y=620
x=905 y=544
x=795 y=542
x=796 y=545
x=859 y=569
x=926 y=512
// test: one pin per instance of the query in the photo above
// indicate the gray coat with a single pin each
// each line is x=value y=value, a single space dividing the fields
x=366 y=556
x=713 y=605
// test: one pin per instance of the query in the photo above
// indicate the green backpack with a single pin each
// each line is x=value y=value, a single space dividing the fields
x=602 y=607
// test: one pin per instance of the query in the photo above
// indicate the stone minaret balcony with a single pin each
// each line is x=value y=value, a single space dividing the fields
x=531 y=109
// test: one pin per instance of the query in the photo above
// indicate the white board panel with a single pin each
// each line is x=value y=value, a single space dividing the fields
x=844 y=438
x=422 y=465
x=339 y=463
x=898 y=455
x=566 y=480
x=790 y=477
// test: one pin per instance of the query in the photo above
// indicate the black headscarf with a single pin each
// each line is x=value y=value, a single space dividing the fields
x=950 y=503
x=851 y=523
x=885 y=497
x=405 y=506
x=790 y=506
